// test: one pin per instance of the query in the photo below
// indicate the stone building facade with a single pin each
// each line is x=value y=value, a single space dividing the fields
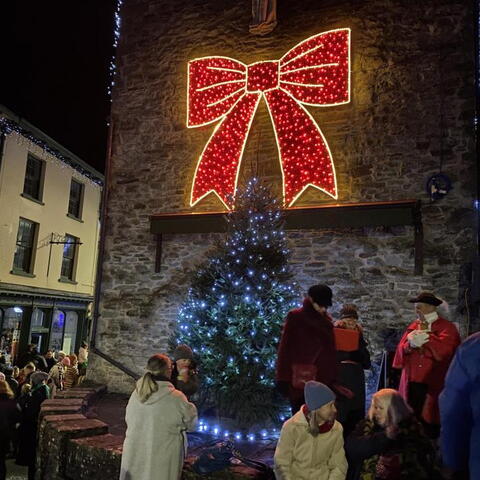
x=411 y=115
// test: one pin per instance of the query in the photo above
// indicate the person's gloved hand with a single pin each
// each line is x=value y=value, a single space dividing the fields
x=417 y=338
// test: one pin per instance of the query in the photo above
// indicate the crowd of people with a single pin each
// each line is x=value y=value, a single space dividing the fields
x=320 y=369
x=428 y=428
x=23 y=388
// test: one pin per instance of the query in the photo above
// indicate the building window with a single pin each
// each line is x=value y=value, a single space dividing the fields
x=56 y=334
x=76 y=198
x=24 y=251
x=70 y=335
x=69 y=254
x=33 y=178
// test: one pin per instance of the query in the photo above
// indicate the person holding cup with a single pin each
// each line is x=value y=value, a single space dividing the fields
x=424 y=354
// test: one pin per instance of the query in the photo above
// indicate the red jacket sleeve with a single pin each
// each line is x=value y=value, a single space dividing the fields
x=284 y=364
x=442 y=344
x=403 y=348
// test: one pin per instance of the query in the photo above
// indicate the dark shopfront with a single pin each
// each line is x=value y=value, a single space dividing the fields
x=51 y=321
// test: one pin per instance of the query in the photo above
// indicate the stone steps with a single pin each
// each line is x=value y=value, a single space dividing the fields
x=62 y=423
x=74 y=447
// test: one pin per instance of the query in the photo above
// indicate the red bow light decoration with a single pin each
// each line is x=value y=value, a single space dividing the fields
x=316 y=72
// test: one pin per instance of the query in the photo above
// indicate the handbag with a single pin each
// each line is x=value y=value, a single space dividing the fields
x=303 y=373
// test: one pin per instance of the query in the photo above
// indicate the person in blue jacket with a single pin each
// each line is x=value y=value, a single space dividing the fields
x=460 y=412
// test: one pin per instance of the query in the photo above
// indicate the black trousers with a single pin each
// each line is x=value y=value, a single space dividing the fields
x=417 y=394
x=3 y=454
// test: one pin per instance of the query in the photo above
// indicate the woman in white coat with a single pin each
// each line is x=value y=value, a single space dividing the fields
x=157 y=418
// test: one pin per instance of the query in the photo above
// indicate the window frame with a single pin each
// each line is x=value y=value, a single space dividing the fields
x=41 y=179
x=76 y=215
x=31 y=261
x=73 y=260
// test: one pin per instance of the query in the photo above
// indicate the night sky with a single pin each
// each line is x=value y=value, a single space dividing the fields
x=54 y=69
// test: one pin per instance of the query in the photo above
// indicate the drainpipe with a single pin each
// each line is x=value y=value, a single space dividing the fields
x=101 y=252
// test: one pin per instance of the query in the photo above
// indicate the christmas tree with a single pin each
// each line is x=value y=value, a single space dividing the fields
x=234 y=312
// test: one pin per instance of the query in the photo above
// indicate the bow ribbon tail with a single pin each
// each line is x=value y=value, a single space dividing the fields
x=219 y=163
x=304 y=154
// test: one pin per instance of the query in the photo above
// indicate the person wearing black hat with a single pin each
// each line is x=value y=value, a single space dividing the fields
x=424 y=354
x=307 y=347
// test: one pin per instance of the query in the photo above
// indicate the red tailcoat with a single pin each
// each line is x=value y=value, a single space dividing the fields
x=307 y=338
x=428 y=364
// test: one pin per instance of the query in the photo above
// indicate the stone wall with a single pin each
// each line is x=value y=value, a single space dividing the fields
x=411 y=114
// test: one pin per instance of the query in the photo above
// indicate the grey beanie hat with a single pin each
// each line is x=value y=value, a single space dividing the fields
x=182 y=352
x=38 y=377
x=317 y=395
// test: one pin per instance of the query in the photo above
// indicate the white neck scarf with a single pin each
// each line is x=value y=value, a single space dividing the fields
x=430 y=318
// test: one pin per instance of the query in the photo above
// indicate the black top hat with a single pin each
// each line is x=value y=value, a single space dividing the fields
x=426 y=297
x=321 y=295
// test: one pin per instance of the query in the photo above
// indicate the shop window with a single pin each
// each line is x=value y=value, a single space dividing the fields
x=39 y=329
x=76 y=199
x=69 y=255
x=56 y=333
x=10 y=331
x=32 y=186
x=70 y=335
x=24 y=252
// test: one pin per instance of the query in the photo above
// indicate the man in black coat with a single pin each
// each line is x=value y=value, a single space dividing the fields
x=11 y=381
x=32 y=355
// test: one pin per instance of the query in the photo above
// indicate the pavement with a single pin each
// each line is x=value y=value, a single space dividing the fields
x=15 y=472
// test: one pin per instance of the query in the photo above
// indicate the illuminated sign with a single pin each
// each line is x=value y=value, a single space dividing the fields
x=316 y=72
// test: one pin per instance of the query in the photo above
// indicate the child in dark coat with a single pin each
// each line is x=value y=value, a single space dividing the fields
x=184 y=374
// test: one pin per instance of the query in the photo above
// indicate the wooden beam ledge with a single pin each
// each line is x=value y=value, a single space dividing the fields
x=340 y=215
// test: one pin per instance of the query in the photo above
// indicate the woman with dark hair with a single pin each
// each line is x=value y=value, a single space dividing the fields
x=390 y=443
x=157 y=418
x=353 y=358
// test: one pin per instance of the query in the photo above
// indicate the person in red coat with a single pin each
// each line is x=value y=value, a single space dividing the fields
x=424 y=354
x=307 y=347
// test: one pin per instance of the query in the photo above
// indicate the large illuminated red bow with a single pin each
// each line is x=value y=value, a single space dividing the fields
x=315 y=72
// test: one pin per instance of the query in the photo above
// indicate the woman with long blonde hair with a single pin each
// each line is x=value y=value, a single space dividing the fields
x=390 y=443
x=157 y=418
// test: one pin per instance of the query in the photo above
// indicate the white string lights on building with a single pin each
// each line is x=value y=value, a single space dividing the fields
x=116 y=39
x=41 y=148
